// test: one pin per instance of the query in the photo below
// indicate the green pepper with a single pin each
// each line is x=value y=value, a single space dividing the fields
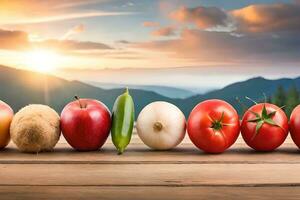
x=122 y=121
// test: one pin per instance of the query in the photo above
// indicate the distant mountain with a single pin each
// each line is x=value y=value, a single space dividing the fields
x=254 y=88
x=171 y=92
x=19 y=88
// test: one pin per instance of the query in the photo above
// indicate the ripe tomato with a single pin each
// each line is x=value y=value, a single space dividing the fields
x=264 y=127
x=295 y=125
x=213 y=126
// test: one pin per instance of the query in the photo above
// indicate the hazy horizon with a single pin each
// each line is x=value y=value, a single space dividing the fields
x=196 y=88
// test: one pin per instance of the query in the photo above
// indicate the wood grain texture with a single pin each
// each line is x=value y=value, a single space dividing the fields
x=136 y=153
x=151 y=174
x=147 y=193
x=141 y=173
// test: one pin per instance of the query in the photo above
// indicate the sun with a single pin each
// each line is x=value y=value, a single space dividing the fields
x=41 y=60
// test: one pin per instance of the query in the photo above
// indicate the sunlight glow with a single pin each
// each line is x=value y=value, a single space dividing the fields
x=42 y=60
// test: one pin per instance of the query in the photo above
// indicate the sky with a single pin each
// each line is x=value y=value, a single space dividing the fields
x=184 y=43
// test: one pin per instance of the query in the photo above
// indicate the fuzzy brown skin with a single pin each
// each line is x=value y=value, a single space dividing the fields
x=35 y=128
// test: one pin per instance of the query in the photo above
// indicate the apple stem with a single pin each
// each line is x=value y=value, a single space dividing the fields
x=80 y=103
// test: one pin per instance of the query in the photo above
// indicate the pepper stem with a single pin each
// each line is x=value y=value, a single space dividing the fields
x=127 y=90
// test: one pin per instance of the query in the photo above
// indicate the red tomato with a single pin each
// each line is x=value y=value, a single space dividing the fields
x=295 y=125
x=213 y=126
x=264 y=127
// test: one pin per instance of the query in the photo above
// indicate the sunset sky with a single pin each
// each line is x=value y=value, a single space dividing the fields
x=169 y=42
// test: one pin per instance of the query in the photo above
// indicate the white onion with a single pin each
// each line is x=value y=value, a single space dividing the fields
x=161 y=125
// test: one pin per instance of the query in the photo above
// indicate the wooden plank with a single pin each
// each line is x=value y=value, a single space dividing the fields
x=136 y=140
x=151 y=174
x=138 y=153
x=148 y=193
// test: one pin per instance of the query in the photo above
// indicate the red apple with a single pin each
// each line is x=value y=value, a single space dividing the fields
x=6 y=115
x=85 y=123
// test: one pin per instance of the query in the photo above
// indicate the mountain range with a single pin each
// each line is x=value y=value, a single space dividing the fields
x=20 y=87
x=167 y=91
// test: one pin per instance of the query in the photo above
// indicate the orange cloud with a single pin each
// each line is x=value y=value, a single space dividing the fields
x=202 y=17
x=150 y=24
x=71 y=45
x=19 y=40
x=268 y=18
x=13 y=40
x=221 y=47
x=257 y=18
x=165 y=31
x=73 y=31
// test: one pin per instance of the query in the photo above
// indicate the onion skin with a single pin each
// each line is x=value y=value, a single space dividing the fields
x=161 y=125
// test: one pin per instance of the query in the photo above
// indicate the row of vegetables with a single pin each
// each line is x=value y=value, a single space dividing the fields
x=213 y=125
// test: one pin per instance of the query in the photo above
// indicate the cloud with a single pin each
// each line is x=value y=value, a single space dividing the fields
x=221 y=47
x=267 y=18
x=150 y=24
x=71 y=45
x=61 y=17
x=128 y=4
x=35 y=11
x=160 y=31
x=163 y=32
x=18 y=40
x=259 y=33
x=73 y=31
x=74 y=3
x=13 y=40
x=202 y=17
x=125 y=42
x=256 y=18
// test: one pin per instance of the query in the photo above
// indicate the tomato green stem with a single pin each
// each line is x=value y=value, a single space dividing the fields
x=216 y=125
x=251 y=100
x=261 y=119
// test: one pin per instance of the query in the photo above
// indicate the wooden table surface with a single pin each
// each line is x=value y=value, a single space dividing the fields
x=140 y=173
